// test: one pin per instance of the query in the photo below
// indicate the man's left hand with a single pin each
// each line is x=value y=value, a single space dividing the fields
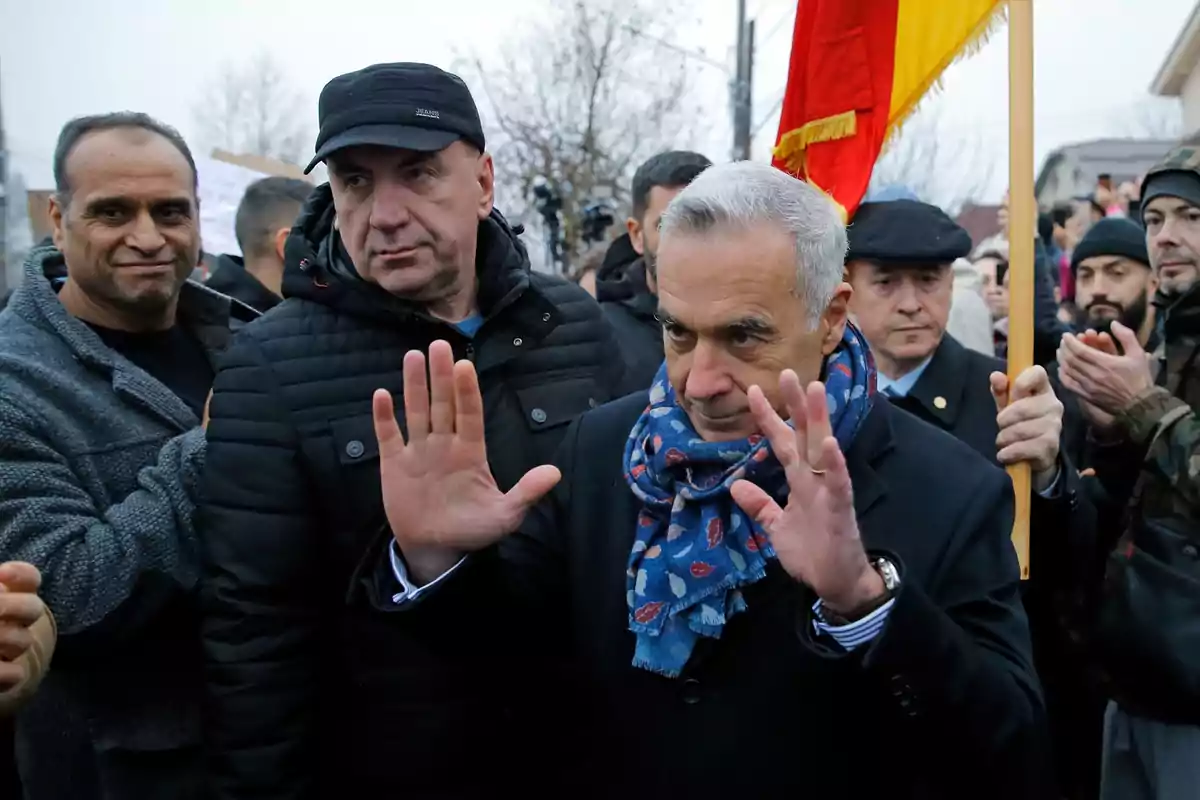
x=1030 y=423
x=1108 y=381
x=816 y=537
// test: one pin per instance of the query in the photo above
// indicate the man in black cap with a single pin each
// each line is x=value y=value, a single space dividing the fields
x=309 y=694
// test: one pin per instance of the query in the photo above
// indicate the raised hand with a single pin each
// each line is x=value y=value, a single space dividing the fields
x=1102 y=377
x=20 y=607
x=816 y=537
x=439 y=495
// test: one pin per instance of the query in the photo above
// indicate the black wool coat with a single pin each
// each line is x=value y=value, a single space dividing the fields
x=943 y=704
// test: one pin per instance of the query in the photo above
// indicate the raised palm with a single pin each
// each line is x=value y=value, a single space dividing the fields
x=816 y=534
x=438 y=491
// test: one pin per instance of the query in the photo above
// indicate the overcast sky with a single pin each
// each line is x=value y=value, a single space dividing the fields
x=1094 y=61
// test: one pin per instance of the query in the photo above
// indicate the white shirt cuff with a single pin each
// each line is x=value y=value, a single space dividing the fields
x=857 y=633
x=411 y=591
x=1051 y=491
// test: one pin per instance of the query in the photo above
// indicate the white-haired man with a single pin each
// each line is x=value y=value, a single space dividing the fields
x=750 y=608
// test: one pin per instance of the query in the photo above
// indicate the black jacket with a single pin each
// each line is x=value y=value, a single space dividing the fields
x=953 y=393
x=308 y=696
x=630 y=308
x=943 y=704
x=231 y=278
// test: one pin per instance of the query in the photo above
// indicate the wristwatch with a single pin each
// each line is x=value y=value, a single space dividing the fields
x=891 y=582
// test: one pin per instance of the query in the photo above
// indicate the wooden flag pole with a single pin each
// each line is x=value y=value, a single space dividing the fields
x=1022 y=219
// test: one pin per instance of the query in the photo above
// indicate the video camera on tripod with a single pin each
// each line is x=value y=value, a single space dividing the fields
x=595 y=219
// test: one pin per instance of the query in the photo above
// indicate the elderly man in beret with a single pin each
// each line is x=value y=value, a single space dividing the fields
x=899 y=263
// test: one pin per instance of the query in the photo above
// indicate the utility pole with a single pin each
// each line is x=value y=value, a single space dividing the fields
x=741 y=91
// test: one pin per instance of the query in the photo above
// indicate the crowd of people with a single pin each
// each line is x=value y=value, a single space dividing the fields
x=376 y=509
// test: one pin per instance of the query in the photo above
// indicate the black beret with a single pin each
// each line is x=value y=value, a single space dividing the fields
x=1112 y=236
x=905 y=232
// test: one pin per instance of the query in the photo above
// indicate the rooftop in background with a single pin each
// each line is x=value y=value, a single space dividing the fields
x=1072 y=171
x=1179 y=73
x=1181 y=61
x=981 y=221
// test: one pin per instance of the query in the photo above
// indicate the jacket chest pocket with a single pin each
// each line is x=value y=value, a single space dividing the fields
x=356 y=505
x=547 y=410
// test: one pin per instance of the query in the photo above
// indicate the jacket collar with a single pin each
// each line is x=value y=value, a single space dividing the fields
x=205 y=312
x=943 y=383
x=316 y=268
x=231 y=278
x=1179 y=315
x=875 y=440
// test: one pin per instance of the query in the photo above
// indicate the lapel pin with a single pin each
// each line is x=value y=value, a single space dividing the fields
x=939 y=403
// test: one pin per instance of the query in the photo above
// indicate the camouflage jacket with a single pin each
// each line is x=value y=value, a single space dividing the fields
x=1163 y=422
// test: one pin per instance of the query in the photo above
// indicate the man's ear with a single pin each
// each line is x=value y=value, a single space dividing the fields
x=634 y=226
x=57 y=214
x=487 y=185
x=281 y=237
x=833 y=321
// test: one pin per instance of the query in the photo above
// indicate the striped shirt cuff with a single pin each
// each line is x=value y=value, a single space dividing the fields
x=411 y=591
x=856 y=633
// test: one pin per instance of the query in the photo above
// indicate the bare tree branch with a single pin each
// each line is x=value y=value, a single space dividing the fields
x=593 y=89
x=253 y=110
x=1153 y=118
x=940 y=163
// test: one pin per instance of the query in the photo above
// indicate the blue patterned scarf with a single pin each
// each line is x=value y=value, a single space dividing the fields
x=695 y=548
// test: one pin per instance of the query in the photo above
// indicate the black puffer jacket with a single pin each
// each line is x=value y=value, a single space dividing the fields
x=309 y=696
x=231 y=278
x=630 y=308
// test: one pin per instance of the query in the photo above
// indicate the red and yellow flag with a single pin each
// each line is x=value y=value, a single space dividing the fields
x=857 y=70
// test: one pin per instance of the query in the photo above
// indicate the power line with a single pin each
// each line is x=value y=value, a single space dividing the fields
x=694 y=54
x=788 y=16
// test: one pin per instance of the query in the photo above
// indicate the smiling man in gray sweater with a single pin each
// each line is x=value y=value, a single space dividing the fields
x=106 y=353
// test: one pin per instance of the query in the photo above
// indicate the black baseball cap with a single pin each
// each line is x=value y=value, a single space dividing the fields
x=405 y=105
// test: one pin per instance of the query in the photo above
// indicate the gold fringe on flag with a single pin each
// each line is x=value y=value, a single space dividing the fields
x=792 y=144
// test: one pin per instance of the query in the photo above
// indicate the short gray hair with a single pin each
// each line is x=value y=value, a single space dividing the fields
x=744 y=194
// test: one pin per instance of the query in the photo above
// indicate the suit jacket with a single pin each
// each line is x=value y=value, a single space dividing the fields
x=953 y=394
x=944 y=703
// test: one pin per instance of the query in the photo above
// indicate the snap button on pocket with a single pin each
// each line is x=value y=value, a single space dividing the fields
x=538 y=415
x=354 y=448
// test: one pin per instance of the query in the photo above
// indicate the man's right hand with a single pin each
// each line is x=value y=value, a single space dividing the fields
x=439 y=495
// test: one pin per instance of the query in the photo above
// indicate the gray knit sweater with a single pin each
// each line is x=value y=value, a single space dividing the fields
x=98 y=460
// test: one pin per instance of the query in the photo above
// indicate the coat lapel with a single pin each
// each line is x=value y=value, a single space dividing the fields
x=941 y=388
x=873 y=441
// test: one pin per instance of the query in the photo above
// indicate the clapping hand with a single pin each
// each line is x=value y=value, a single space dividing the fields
x=1107 y=381
x=816 y=536
x=439 y=495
